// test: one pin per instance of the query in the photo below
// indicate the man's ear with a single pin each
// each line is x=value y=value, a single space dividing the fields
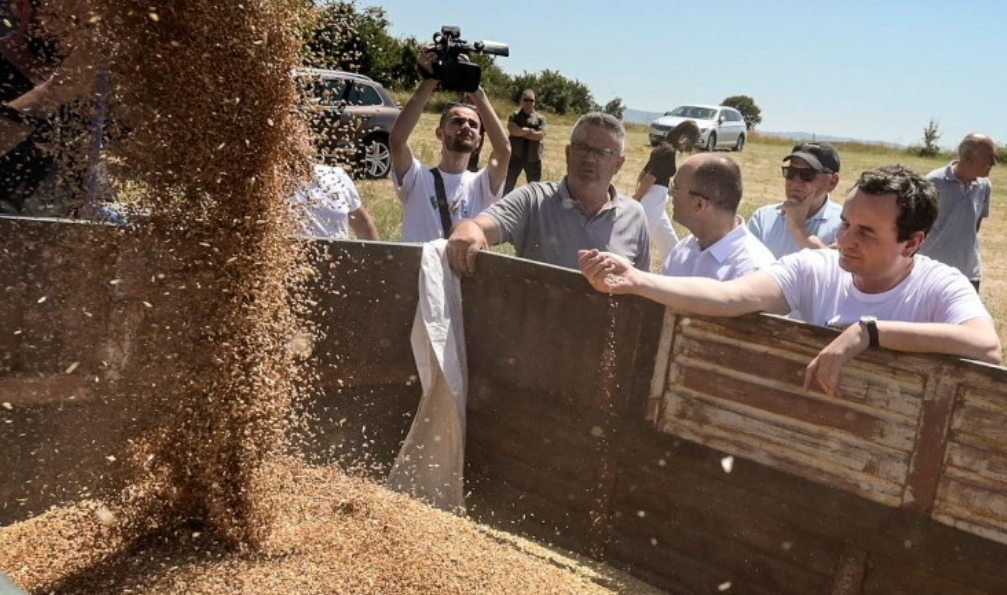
x=833 y=182
x=440 y=133
x=914 y=242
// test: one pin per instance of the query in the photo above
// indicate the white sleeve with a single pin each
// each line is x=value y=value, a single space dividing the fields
x=787 y=273
x=957 y=301
x=483 y=185
x=404 y=187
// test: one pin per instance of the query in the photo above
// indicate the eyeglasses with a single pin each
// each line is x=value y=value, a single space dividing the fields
x=527 y=100
x=584 y=150
x=806 y=174
x=676 y=189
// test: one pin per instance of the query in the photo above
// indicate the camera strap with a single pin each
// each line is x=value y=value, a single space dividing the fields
x=442 y=201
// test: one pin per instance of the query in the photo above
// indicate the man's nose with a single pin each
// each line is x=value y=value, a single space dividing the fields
x=844 y=239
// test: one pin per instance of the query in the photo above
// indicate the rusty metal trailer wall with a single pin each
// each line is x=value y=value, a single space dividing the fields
x=602 y=425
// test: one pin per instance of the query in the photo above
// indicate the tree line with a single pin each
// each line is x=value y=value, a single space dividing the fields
x=341 y=36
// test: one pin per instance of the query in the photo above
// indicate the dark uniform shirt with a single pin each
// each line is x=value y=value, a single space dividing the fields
x=524 y=149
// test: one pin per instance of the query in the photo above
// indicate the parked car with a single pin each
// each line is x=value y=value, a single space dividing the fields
x=353 y=120
x=719 y=126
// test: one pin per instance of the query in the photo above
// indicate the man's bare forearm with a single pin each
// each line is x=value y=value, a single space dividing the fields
x=362 y=224
x=402 y=129
x=757 y=292
x=72 y=80
x=494 y=128
x=975 y=339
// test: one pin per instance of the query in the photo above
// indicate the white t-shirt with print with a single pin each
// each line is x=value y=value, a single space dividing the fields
x=468 y=193
x=326 y=203
x=822 y=293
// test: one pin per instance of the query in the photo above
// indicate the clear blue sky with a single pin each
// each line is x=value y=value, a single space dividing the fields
x=868 y=70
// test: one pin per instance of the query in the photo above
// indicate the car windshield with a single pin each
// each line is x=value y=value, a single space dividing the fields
x=691 y=111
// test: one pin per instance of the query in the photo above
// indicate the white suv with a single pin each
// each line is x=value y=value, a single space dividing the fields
x=719 y=127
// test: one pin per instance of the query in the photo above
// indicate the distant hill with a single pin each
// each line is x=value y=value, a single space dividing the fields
x=634 y=116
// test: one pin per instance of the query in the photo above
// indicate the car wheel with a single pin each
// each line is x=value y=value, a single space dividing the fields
x=377 y=158
x=711 y=143
x=740 y=145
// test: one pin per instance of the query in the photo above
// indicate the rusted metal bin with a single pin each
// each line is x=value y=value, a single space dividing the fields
x=682 y=449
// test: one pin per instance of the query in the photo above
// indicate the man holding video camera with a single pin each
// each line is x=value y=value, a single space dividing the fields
x=433 y=200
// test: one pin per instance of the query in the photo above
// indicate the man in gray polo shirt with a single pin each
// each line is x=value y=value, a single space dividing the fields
x=549 y=222
x=965 y=193
x=808 y=218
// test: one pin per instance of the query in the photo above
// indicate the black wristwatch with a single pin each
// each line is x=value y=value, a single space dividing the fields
x=871 y=324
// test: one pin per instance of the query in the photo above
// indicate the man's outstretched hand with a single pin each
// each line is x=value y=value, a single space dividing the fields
x=607 y=272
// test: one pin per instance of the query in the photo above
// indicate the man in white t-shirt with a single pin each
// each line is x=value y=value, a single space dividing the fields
x=466 y=193
x=330 y=207
x=705 y=196
x=875 y=283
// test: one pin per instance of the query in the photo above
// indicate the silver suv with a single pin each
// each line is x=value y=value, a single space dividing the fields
x=355 y=117
x=719 y=126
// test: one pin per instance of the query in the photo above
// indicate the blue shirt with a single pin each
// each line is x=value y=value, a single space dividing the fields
x=953 y=239
x=768 y=224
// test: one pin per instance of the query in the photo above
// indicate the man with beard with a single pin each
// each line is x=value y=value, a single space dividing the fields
x=434 y=200
x=874 y=286
x=550 y=221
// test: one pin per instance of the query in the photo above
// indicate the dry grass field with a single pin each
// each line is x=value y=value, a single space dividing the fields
x=760 y=163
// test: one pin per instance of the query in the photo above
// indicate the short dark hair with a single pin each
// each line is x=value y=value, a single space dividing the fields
x=719 y=179
x=915 y=196
x=453 y=104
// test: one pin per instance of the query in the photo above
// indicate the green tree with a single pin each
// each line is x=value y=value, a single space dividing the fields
x=554 y=91
x=745 y=105
x=495 y=81
x=615 y=108
x=341 y=37
x=931 y=134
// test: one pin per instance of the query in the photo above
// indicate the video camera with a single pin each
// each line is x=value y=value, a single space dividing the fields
x=454 y=74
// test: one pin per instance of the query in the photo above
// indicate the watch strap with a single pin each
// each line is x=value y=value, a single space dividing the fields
x=871 y=324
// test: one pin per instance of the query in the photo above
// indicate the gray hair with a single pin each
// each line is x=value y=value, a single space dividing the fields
x=973 y=141
x=605 y=121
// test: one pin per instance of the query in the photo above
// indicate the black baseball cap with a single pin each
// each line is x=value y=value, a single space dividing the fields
x=821 y=156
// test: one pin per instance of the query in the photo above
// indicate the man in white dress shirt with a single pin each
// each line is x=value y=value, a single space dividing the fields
x=705 y=197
